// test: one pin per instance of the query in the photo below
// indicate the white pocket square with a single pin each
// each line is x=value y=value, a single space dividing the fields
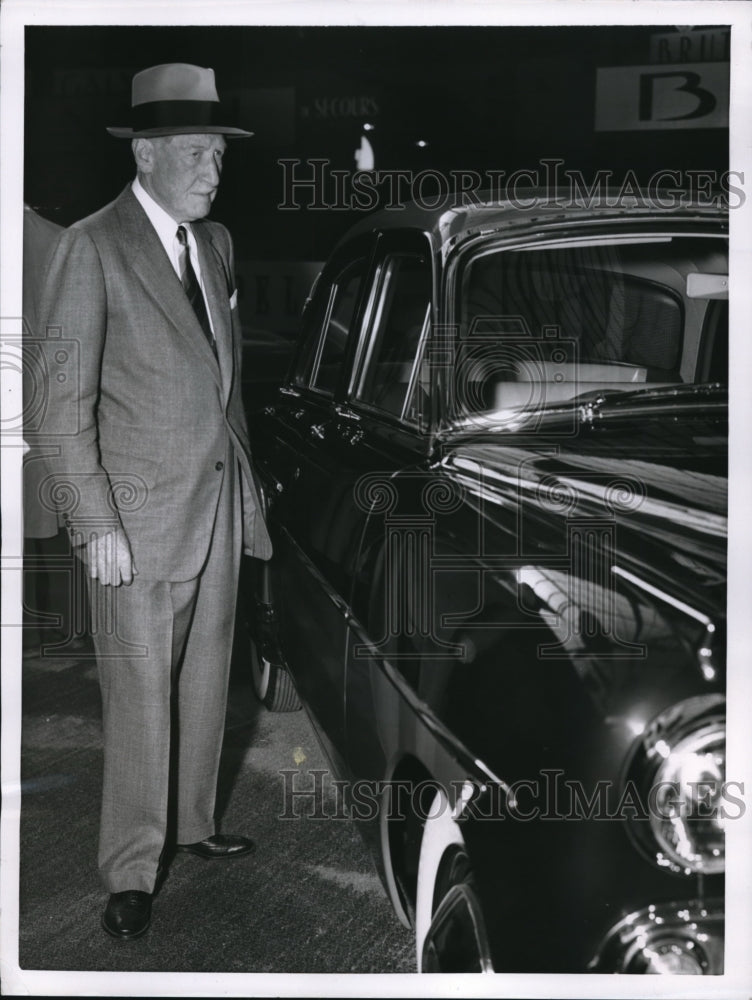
x=234 y=299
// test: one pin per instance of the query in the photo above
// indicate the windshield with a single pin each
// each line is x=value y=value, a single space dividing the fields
x=543 y=325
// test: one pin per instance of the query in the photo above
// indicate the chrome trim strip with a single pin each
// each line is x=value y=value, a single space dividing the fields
x=330 y=592
x=594 y=241
x=663 y=596
x=417 y=363
x=324 y=330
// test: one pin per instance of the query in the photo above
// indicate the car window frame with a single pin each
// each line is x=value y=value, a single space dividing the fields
x=405 y=242
x=343 y=259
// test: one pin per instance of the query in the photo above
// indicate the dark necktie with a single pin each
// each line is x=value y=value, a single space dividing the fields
x=192 y=287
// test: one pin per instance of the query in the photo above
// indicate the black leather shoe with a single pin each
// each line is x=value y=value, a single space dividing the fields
x=128 y=914
x=220 y=846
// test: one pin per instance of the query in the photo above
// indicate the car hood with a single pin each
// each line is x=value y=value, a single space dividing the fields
x=652 y=494
x=655 y=470
x=654 y=463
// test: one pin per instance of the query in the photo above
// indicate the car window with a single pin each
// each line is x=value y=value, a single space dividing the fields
x=392 y=378
x=329 y=325
x=540 y=326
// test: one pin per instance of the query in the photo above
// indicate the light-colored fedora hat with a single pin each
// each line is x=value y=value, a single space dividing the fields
x=175 y=99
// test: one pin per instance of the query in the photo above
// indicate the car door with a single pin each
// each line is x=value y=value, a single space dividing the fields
x=354 y=409
x=388 y=405
x=299 y=458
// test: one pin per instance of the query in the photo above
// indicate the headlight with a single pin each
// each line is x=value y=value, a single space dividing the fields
x=679 y=939
x=688 y=826
x=679 y=769
x=664 y=958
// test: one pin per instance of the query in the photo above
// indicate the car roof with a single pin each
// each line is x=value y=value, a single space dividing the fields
x=452 y=222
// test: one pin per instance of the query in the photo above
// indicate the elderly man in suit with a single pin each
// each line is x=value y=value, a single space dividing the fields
x=155 y=482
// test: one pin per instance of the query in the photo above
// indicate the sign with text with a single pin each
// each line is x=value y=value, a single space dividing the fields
x=692 y=45
x=690 y=95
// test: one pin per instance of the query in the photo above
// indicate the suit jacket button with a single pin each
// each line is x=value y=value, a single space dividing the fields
x=219 y=466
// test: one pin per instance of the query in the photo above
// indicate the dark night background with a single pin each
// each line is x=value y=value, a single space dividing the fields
x=482 y=98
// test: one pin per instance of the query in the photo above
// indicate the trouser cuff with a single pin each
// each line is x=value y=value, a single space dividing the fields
x=140 y=880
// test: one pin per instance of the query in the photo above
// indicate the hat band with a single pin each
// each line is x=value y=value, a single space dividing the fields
x=174 y=114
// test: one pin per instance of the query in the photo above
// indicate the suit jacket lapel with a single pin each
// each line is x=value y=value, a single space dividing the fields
x=213 y=274
x=150 y=262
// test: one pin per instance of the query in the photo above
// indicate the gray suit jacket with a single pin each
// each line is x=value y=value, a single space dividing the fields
x=145 y=414
x=39 y=237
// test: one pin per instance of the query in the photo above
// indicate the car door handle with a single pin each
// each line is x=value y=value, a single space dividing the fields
x=269 y=486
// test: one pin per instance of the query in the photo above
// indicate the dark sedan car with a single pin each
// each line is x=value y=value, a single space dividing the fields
x=497 y=482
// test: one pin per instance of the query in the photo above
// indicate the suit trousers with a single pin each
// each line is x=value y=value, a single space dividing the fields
x=163 y=657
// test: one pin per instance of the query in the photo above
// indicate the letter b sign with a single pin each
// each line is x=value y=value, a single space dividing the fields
x=660 y=96
x=692 y=95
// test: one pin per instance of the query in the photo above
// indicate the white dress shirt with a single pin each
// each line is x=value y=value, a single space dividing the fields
x=167 y=229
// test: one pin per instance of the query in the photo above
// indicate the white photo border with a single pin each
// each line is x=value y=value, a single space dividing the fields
x=736 y=982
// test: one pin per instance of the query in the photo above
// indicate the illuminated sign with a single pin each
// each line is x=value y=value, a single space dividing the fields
x=687 y=95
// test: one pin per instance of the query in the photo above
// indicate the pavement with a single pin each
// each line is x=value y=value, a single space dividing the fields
x=308 y=901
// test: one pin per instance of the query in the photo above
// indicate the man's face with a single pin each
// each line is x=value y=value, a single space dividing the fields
x=182 y=173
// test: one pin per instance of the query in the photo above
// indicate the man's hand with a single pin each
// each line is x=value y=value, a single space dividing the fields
x=110 y=560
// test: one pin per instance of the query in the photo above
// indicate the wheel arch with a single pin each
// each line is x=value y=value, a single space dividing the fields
x=400 y=837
